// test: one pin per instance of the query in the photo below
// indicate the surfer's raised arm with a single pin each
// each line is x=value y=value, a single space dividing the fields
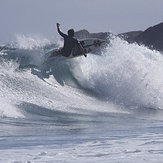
x=59 y=30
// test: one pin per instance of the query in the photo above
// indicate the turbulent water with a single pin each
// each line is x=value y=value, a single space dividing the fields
x=103 y=108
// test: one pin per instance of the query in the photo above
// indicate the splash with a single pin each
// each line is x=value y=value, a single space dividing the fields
x=31 y=42
x=8 y=110
x=126 y=74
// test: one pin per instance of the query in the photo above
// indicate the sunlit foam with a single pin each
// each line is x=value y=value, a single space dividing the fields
x=126 y=73
x=8 y=110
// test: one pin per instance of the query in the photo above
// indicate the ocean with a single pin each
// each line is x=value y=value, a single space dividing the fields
x=105 y=108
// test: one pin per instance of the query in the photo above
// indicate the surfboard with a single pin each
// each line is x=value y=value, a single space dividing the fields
x=89 y=45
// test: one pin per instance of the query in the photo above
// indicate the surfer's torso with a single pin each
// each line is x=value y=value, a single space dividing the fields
x=69 y=43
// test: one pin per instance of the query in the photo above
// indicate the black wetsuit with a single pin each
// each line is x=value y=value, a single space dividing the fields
x=69 y=43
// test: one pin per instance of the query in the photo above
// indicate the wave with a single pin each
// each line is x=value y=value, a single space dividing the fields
x=124 y=75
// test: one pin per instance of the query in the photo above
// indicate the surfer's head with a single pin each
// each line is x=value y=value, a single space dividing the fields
x=71 y=32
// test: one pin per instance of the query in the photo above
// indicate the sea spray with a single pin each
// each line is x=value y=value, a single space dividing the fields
x=8 y=110
x=126 y=74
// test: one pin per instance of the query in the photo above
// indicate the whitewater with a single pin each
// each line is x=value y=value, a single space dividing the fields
x=103 y=108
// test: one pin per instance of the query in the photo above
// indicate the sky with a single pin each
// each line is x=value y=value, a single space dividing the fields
x=39 y=17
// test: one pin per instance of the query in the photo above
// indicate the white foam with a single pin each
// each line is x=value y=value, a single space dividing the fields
x=8 y=110
x=31 y=42
x=126 y=73
x=31 y=46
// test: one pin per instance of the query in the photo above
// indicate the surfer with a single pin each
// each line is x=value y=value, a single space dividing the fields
x=69 y=43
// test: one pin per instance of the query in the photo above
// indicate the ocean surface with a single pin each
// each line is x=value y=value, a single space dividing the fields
x=105 y=108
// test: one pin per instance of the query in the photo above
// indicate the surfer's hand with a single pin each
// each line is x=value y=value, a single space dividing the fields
x=58 y=24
